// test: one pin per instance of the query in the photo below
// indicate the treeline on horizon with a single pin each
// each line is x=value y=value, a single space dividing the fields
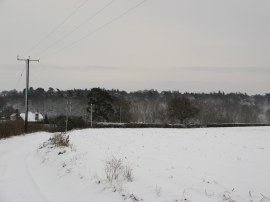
x=147 y=106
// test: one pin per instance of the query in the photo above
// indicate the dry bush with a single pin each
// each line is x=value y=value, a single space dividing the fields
x=115 y=170
x=128 y=173
x=59 y=140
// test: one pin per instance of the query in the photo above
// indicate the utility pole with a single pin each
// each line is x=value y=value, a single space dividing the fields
x=120 y=114
x=27 y=61
x=68 y=110
x=91 y=116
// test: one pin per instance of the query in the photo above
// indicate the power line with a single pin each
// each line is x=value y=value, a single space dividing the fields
x=57 y=27
x=98 y=29
x=20 y=77
x=76 y=28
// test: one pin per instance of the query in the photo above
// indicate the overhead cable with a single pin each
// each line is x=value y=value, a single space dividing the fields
x=75 y=29
x=20 y=77
x=98 y=29
x=57 y=27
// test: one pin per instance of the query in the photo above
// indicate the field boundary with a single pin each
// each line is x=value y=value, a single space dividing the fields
x=15 y=128
x=149 y=125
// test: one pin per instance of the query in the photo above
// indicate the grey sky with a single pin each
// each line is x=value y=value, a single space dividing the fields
x=186 y=45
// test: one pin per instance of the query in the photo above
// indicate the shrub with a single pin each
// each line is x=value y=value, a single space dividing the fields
x=116 y=170
x=59 y=140
x=113 y=169
x=128 y=173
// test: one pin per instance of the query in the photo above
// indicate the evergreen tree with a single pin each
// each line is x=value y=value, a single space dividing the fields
x=180 y=109
x=101 y=104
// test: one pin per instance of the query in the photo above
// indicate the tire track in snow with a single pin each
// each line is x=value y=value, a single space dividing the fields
x=33 y=182
x=17 y=184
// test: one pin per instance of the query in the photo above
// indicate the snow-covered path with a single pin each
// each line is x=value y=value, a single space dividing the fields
x=17 y=183
x=24 y=177
x=169 y=165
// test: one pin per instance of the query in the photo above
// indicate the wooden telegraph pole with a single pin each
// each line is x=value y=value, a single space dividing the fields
x=68 y=110
x=26 y=90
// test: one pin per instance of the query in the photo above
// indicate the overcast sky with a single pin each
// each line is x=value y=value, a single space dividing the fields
x=185 y=45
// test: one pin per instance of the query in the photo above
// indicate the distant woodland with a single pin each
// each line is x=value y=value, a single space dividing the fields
x=147 y=106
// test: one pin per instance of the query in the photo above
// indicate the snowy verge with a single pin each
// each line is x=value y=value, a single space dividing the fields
x=211 y=164
x=223 y=164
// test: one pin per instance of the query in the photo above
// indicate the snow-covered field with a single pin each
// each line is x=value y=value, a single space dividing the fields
x=168 y=165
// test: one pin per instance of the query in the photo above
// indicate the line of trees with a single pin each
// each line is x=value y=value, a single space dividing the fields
x=148 y=106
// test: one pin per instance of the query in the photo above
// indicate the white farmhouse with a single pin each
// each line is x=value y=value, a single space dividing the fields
x=33 y=117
